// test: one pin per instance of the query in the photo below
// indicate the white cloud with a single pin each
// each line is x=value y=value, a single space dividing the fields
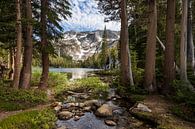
x=86 y=17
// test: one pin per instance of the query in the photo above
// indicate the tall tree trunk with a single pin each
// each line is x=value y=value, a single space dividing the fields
x=44 y=44
x=11 y=63
x=17 y=60
x=169 y=67
x=150 y=81
x=126 y=72
x=190 y=43
x=28 y=48
x=183 y=42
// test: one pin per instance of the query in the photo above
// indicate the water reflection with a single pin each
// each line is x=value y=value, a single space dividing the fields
x=76 y=73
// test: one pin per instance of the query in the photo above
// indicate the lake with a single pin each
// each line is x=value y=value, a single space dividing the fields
x=76 y=73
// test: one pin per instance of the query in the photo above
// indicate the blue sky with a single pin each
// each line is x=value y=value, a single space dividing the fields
x=86 y=17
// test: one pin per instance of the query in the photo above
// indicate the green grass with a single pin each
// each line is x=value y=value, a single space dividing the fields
x=93 y=84
x=57 y=81
x=12 y=99
x=44 y=119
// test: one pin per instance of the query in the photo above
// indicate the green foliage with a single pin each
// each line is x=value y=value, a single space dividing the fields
x=104 y=50
x=184 y=112
x=12 y=99
x=57 y=81
x=93 y=83
x=65 y=62
x=43 y=119
x=183 y=93
x=113 y=72
x=185 y=99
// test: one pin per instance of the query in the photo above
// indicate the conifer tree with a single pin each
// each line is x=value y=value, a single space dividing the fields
x=104 y=50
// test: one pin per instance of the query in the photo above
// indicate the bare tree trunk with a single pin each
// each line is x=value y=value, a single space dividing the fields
x=126 y=72
x=11 y=63
x=17 y=63
x=44 y=43
x=149 y=77
x=183 y=42
x=28 y=48
x=190 y=43
x=169 y=64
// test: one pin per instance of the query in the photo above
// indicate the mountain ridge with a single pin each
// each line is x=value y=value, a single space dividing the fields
x=81 y=45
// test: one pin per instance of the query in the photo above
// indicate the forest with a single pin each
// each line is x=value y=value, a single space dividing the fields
x=145 y=79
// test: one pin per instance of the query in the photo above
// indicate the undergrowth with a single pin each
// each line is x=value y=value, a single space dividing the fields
x=44 y=119
x=13 y=99
x=185 y=99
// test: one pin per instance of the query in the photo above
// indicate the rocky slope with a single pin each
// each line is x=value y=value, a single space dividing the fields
x=81 y=45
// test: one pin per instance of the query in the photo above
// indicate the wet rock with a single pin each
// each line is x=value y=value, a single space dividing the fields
x=70 y=99
x=84 y=96
x=57 y=108
x=143 y=108
x=118 y=111
x=87 y=109
x=65 y=115
x=81 y=105
x=80 y=114
x=104 y=111
x=68 y=105
x=92 y=102
x=76 y=118
x=63 y=127
x=110 y=123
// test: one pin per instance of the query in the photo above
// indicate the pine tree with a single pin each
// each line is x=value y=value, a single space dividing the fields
x=104 y=50
x=25 y=76
x=17 y=63
x=183 y=42
x=169 y=65
x=150 y=78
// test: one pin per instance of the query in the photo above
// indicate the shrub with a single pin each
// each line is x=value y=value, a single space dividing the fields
x=185 y=99
x=183 y=93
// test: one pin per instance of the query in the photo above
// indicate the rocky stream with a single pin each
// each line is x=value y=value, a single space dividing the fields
x=81 y=110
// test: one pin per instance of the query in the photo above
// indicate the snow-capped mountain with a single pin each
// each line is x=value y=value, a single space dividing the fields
x=86 y=17
x=81 y=45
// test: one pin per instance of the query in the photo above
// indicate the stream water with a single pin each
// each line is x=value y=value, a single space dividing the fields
x=89 y=120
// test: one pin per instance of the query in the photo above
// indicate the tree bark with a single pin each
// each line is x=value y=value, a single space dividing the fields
x=17 y=60
x=190 y=43
x=183 y=42
x=149 y=77
x=126 y=72
x=28 y=49
x=169 y=62
x=11 y=63
x=44 y=43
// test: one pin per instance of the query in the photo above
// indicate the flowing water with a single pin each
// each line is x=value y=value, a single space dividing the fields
x=89 y=120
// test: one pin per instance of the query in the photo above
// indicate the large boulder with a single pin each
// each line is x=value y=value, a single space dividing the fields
x=104 y=111
x=142 y=107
